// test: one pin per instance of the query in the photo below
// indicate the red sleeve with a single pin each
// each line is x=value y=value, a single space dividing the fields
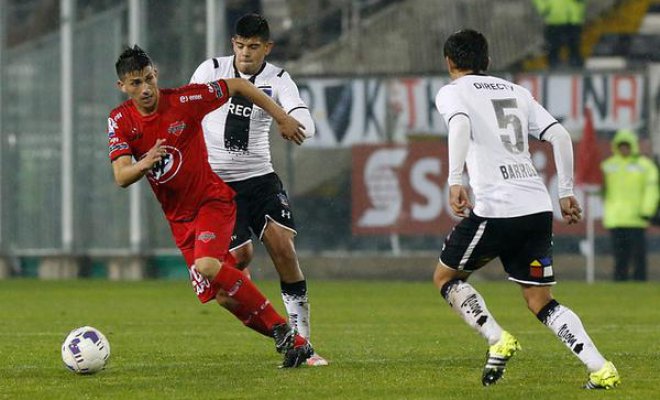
x=201 y=99
x=117 y=143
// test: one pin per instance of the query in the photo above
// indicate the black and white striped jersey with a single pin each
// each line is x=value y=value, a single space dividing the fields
x=237 y=134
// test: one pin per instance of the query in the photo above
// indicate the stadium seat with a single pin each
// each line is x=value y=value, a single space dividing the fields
x=610 y=52
x=644 y=48
x=605 y=63
x=613 y=44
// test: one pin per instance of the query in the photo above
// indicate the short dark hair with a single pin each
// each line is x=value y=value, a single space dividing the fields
x=251 y=25
x=468 y=50
x=131 y=60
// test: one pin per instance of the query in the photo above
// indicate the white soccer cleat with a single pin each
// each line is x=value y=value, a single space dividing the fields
x=316 y=361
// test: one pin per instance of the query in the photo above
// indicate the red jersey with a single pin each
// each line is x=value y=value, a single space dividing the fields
x=183 y=180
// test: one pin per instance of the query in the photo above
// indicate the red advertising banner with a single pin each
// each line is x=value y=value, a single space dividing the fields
x=400 y=189
x=403 y=189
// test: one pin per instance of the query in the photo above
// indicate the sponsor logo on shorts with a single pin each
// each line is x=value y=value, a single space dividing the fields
x=541 y=268
x=283 y=199
x=206 y=236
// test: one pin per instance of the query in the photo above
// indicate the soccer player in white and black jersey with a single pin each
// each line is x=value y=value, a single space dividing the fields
x=489 y=120
x=237 y=138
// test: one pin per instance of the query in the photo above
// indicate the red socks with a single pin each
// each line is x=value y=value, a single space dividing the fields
x=254 y=310
x=299 y=341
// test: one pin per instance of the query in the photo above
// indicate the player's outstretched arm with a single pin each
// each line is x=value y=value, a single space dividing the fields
x=127 y=172
x=289 y=127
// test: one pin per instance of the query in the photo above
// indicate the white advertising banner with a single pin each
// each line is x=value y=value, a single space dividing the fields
x=351 y=111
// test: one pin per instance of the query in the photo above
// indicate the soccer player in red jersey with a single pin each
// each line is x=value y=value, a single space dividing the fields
x=161 y=130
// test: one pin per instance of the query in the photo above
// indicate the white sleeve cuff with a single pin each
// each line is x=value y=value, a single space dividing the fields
x=303 y=116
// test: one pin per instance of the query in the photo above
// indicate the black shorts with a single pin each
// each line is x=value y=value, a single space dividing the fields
x=523 y=244
x=258 y=200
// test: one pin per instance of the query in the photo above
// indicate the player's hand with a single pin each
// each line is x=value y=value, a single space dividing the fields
x=459 y=200
x=154 y=155
x=570 y=210
x=291 y=129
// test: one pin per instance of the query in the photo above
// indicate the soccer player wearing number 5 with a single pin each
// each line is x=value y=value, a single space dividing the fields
x=161 y=130
x=237 y=136
x=489 y=120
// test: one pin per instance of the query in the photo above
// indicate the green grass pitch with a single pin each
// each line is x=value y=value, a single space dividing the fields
x=385 y=340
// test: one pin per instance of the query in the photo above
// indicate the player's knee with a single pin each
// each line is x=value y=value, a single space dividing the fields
x=282 y=251
x=243 y=256
x=442 y=275
x=208 y=267
x=537 y=297
x=285 y=256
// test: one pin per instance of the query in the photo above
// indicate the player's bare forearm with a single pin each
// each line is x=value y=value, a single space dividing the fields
x=127 y=172
x=289 y=127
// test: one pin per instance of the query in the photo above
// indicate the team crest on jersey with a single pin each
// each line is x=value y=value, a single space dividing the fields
x=267 y=89
x=176 y=128
x=167 y=168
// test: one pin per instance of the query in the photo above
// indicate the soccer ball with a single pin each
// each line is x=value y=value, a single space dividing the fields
x=85 y=350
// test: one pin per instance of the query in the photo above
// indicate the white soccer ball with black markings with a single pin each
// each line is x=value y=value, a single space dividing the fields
x=85 y=350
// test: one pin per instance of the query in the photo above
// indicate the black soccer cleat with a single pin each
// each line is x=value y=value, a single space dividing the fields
x=297 y=356
x=284 y=336
x=492 y=374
